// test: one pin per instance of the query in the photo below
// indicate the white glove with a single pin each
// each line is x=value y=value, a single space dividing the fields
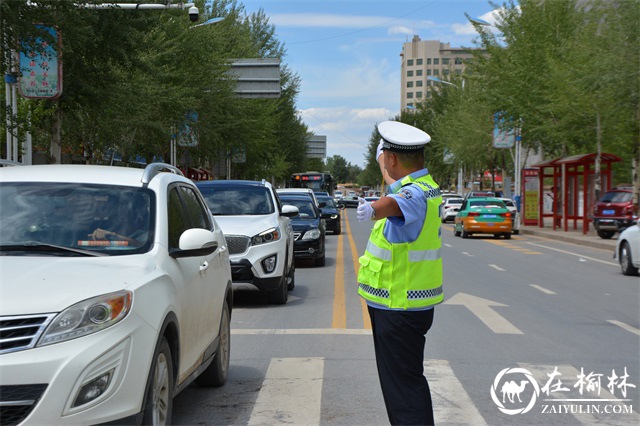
x=379 y=150
x=365 y=211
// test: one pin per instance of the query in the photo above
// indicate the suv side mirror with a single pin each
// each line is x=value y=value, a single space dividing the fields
x=290 y=211
x=195 y=242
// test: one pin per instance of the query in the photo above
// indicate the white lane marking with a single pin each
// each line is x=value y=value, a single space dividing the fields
x=294 y=331
x=447 y=245
x=542 y=289
x=625 y=326
x=574 y=254
x=496 y=267
x=300 y=379
x=482 y=309
x=467 y=254
x=451 y=403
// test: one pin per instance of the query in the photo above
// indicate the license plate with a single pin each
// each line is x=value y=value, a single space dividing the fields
x=490 y=216
x=608 y=212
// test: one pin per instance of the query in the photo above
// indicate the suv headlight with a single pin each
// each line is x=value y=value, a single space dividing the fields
x=311 y=234
x=267 y=236
x=87 y=317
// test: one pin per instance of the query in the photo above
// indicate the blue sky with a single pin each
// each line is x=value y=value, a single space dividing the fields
x=347 y=55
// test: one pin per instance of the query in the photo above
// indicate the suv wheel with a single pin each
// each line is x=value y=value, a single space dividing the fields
x=281 y=294
x=626 y=261
x=292 y=276
x=160 y=387
x=606 y=234
x=216 y=373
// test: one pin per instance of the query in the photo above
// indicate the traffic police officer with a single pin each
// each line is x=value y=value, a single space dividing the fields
x=400 y=274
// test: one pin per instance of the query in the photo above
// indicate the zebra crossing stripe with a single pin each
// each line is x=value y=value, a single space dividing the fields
x=451 y=403
x=300 y=379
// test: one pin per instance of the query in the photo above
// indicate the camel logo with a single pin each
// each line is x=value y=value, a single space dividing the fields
x=512 y=391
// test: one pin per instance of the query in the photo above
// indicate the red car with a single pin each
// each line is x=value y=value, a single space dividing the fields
x=614 y=212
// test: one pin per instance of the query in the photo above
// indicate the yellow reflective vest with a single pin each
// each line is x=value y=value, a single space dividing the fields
x=405 y=275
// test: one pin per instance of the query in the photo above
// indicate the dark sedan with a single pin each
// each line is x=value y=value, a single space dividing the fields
x=309 y=229
x=331 y=214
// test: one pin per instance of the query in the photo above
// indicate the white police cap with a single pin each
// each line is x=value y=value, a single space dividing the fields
x=397 y=136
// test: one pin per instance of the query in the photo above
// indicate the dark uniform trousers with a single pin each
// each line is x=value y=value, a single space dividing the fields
x=399 y=342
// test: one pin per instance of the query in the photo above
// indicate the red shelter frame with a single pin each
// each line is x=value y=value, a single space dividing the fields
x=574 y=181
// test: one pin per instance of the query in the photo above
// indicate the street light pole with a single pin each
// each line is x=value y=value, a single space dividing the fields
x=460 y=170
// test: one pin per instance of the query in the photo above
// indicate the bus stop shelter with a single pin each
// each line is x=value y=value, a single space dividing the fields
x=570 y=182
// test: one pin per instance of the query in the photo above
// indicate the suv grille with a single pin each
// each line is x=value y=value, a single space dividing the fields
x=237 y=243
x=17 y=401
x=21 y=332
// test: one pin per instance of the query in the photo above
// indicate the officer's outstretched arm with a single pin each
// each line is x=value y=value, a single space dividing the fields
x=385 y=207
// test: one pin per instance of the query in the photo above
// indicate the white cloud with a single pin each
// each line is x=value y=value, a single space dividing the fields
x=347 y=129
x=400 y=29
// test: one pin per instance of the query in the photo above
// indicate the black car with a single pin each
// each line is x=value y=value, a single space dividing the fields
x=309 y=229
x=331 y=214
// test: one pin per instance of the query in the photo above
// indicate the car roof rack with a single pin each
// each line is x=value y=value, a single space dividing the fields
x=153 y=169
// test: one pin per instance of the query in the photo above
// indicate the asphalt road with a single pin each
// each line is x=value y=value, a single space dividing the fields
x=549 y=322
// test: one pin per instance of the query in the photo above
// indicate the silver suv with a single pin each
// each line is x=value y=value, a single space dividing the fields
x=259 y=234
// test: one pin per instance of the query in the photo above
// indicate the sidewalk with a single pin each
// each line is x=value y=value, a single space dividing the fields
x=591 y=239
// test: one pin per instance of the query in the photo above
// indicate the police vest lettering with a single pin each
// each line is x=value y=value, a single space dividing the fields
x=405 y=275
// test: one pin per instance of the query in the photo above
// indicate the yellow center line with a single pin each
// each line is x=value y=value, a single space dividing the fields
x=366 y=321
x=339 y=308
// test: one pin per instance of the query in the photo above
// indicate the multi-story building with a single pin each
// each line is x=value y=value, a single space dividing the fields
x=422 y=58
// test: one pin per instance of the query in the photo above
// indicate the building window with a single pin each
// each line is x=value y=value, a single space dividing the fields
x=428 y=72
x=409 y=73
x=419 y=61
x=409 y=83
x=436 y=61
x=436 y=72
x=418 y=73
x=458 y=72
x=409 y=95
x=428 y=61
x=445 y=61
x=409 y=62
x=428 y=83
x=445 y=71
x=419 y=83
x=418 y=94
x=428 y=94
x=458 y=61
x=410 y=105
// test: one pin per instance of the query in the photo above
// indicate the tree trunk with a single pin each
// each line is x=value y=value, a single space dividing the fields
x=55 y=149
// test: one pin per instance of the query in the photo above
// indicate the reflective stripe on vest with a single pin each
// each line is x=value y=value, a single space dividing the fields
x=414 y=255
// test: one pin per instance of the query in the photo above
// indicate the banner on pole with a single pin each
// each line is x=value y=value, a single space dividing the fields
x=41 y=66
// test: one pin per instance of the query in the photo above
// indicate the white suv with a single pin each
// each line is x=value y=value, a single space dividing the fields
x=259 y=233
x=116 y=294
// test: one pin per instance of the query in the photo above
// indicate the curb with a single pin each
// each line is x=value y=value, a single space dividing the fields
x=567 y=237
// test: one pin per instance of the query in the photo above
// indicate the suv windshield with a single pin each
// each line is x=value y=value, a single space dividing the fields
x=616 y=197
x=233 y=201
x=41 y=216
